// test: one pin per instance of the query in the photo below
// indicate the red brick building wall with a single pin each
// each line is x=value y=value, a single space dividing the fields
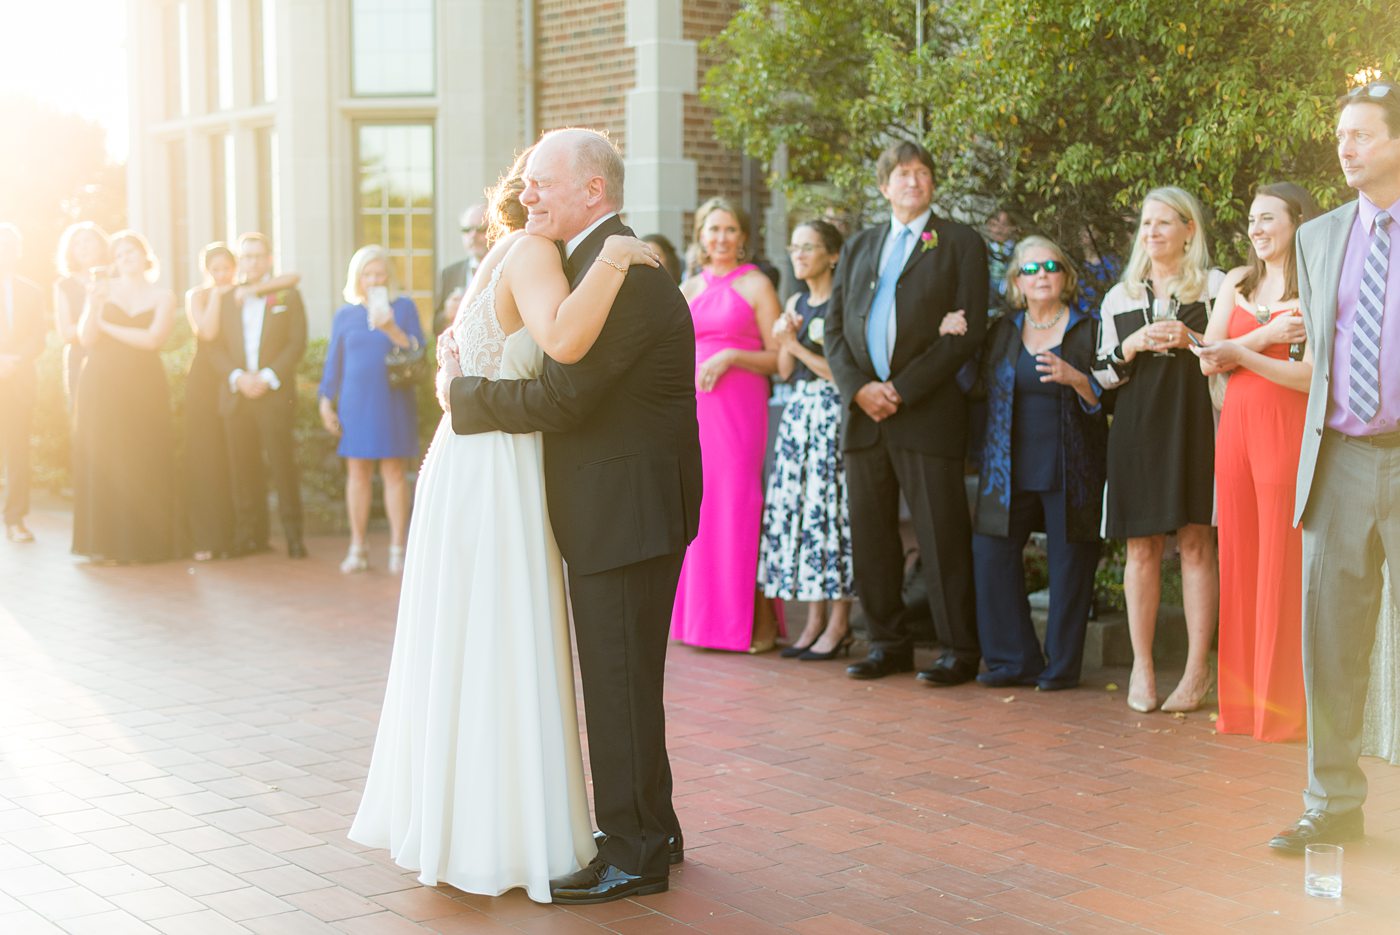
x=585 y=68
x=585 y=71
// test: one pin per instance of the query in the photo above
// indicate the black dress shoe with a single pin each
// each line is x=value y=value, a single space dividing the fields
x=1319 y=827
x=601 y=882
x=949 y=670
x=675 y=845
x=879 y=664
x=295 y=549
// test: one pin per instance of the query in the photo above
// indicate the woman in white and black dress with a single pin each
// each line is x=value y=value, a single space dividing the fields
x=805 y=549
x=477 y=775
x=1161 y=446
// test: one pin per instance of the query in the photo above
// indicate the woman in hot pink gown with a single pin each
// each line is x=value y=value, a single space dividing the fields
x=734 y=307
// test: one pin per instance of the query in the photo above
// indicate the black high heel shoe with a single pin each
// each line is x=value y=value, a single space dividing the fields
x=794 y=651
x=842 y=648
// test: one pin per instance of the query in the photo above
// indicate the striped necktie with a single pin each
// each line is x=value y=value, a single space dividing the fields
x=1364 y=389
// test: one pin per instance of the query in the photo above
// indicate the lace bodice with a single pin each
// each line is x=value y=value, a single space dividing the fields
x=480 y=341
x=484 y=349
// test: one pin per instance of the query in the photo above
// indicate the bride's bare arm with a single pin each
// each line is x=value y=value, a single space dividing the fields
x=565 y=324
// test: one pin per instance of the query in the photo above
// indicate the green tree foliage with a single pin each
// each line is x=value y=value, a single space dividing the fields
x=56 y=171
x=1064 y=111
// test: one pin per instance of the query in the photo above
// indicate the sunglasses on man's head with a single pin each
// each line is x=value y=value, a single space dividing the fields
x=1050 y=266
x=1374 y=91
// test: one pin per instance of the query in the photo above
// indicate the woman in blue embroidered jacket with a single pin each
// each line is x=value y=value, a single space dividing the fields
x=1043 y=467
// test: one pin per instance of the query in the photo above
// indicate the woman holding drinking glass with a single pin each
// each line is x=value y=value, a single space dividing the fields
x=1042 y=467
x=1161 y=448
x=1255 y=323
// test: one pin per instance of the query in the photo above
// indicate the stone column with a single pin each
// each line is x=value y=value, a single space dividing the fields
x=661 y=182
x=480 y=126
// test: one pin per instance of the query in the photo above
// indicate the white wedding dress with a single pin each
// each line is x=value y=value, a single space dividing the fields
x=477 y=777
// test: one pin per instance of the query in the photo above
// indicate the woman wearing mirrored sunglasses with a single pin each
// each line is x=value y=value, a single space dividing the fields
x=1042 y=468
x=1161 y=449
x=1255 y=322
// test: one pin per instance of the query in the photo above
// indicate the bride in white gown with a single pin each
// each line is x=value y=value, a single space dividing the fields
x=477 y=777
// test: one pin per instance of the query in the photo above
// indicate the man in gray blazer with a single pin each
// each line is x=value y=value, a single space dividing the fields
x=1348 y=496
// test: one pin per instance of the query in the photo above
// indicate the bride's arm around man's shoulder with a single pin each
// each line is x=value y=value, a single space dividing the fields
x=567 y=324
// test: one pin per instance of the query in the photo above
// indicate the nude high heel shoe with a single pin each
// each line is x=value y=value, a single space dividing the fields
x=1142 y=692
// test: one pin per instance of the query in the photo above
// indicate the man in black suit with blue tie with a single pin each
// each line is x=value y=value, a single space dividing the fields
x=905 y=428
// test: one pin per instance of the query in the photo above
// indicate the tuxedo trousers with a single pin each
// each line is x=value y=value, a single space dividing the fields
x=934 y=489
x=16 y=426
x=622 y=619
x=260 y=430
x=1351 y=529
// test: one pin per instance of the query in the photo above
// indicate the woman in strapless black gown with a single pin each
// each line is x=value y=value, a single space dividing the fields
x=124 y=448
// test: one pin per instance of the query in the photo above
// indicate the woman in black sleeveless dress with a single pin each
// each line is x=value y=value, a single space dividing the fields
x=123 y=439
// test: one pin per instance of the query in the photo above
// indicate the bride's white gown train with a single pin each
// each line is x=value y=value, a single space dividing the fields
x=477 y=775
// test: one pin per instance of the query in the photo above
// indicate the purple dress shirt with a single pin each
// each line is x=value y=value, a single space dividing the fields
x=1339 y=417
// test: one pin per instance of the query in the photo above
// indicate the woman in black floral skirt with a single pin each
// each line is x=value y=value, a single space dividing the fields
x=805 y=554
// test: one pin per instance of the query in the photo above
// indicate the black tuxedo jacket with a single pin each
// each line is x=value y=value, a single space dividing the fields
x=948 y=276
x=453 y=277
x=622 y=449
x=23 y=339
x=282 y=346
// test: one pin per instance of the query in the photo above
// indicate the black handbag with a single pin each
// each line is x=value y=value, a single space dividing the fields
x=407 y=366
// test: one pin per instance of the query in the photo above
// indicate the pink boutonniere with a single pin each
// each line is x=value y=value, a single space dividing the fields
x=928 y=240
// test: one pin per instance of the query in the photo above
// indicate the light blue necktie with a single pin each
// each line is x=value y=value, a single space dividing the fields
x=1364 y=387
x=877 y=326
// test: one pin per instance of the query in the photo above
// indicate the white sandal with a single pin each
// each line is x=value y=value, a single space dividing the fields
x=356 y=560
x=396 y=559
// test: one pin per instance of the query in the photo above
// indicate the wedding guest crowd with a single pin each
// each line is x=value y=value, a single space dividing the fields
x=901 y=372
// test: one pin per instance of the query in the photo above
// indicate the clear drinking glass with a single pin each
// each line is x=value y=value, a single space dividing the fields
x=1322 y=871
x=1164 y=310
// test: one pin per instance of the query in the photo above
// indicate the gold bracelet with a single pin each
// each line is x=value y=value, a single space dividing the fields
x=613 y=263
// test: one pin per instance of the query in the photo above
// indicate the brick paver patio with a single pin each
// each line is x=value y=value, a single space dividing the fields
x=182 y=747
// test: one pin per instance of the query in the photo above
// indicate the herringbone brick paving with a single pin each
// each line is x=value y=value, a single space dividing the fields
x=182 y=748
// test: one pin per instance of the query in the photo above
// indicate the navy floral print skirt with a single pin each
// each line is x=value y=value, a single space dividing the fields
x=805 y=552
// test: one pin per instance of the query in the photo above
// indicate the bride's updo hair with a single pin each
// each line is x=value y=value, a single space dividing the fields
x=504 y=212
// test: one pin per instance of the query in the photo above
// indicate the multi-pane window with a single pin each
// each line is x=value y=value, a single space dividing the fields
x=225 y=190
x=222 y=66
x=393 y=47
x=264 y=14
x=175 y=30
x=269 y=195
x=178 y=268
x=394 y=163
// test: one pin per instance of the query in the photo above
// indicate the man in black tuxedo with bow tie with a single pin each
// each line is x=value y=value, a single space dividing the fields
x=622 y=474
x=905 y=429
x=261 y=341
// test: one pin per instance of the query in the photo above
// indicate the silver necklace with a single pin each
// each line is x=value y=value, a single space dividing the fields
x=1049 y=324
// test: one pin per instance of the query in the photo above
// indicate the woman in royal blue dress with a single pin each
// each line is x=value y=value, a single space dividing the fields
x=375 y=422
